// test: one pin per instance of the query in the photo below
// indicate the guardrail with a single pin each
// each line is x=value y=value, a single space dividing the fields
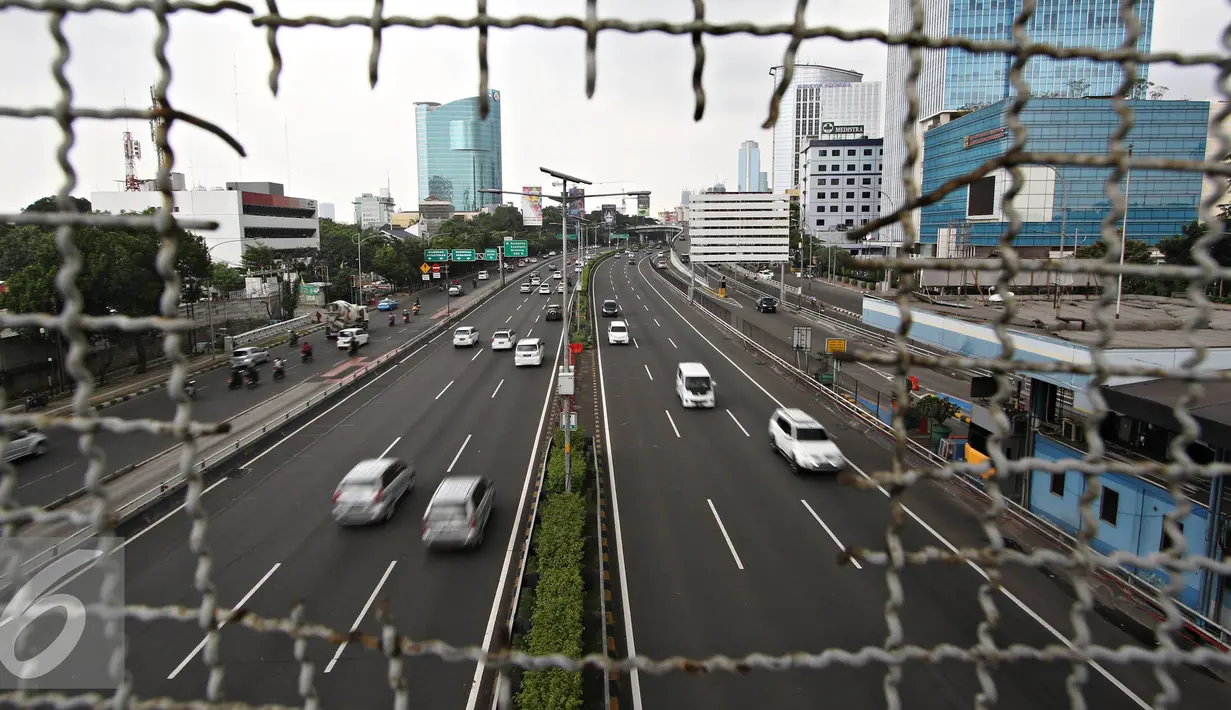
x=267 y=331
x=1135 y=587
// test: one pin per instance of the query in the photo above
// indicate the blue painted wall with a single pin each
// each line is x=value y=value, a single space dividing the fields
x=1139 y=524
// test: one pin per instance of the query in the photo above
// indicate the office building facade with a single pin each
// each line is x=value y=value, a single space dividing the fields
x=458 y=153
x=1062 y=200
x=751 y=177
x=952 y=79
x=818 y=99
x=374 y=210
x=739 y=227
x=841 y=187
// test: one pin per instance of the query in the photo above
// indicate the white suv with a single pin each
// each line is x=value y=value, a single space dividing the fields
x=803 y=442
x=617 y=333
x=465 y=337
x=482 y=276
x=358 y=335
x=529 y=352
x=503 y=339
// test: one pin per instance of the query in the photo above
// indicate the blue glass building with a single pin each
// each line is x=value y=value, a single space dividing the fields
x=1160 y=202
x=458 y=153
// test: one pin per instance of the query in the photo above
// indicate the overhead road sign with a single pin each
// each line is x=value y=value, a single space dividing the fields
x=463 y=255
x=436 y=255
x=516 y=248
x=490 y=255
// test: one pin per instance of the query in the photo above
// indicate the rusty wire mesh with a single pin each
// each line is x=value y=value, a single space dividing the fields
x=1078 y=651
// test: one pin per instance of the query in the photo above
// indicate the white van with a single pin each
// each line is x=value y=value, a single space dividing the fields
x=529 y=351
x=693 y=385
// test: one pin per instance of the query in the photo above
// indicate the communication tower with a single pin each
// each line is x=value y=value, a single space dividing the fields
x=132 y=153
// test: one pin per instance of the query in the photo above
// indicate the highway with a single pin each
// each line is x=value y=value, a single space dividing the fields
x=273 y=542
x=62 y=470
x=724 y=551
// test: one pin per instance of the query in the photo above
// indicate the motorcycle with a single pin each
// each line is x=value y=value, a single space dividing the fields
x=236 y=380
x=405 y=317
x=416 y=309
x=294 y=339
x=251 y=379
x=190 y=389
x=392 y=320
x=36 y=400
x=279 y=372
x=305 y=356
x=354 y=348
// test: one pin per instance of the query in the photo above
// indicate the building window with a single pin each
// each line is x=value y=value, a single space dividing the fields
x=865 y=208
x=820 y=195
x=850 y=208
x=863 y=221
x=1109 y=506
x=850 y=168
x=867 y=151
x=850 y=181
x=833 y=195
x=821 y=153
x=833 y=181
x=880 y=168
x=867 y=166
x=850 y=223
x=866 y=195
x=867 y=181
x=833 y=208
x=820 y=223
x=820 y=168
x=850 y=152
x=837 y=168
x=850 y=195
x=819 y=208
x=820 y=182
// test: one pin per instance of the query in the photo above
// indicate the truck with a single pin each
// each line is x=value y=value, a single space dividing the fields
x=340 y=315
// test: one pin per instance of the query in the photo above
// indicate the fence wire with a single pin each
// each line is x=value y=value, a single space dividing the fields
x=1079 y=651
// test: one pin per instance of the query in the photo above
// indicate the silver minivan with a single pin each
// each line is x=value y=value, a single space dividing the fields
x=370 y=492
x=458 y=512
x=244 y=357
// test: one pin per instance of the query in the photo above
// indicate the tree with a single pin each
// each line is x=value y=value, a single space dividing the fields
x=225 y=278
x=938 y=410
x=260 y=257
x=1135 y=252
x=1179 y=249
x=48 y=204
x=289 y=295
x=1078 y=88
x=20 y=245
x=1144 y=89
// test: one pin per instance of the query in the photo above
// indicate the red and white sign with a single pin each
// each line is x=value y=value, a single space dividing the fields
x=435 y=268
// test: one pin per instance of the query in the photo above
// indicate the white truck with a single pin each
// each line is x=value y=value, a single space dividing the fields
x=340 y=315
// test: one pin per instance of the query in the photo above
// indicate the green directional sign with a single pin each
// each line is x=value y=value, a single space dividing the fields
x=516 y=249
x=491 y=255
x=619 y=236
x=436 y=255
x=463 y=255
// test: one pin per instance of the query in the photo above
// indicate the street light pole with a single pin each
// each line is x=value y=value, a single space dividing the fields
x=1128 y=180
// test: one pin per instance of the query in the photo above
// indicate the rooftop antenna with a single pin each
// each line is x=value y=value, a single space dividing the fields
x=132 y=153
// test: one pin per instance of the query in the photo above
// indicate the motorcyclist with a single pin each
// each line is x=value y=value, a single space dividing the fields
x=237 y=376
x=279 y=364
x=354 y=346
x=405 y=316
x=294 y=337
x=306 y=349
x=416 y=301
x=392 y=320
x=190 y=388
x=474 y=283
x=252 y=375
x=416 y=309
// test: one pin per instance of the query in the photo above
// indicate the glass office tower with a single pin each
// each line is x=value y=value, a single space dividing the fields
x=458 y=153
x=953 y=79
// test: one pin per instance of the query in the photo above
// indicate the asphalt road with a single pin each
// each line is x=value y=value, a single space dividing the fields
x=724 y=551
x=62 y=470
x=464 y=411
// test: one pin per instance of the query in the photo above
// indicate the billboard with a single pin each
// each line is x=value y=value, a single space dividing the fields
x=532 y=206
x=576 y=203
x=643 y=205
x=609 y=216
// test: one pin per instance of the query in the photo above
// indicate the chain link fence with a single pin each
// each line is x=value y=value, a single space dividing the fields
x=894 y=653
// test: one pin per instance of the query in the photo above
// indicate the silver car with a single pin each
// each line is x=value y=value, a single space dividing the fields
x=370 y=492
x=27 y=442
x=458 y=513
x=243 y=357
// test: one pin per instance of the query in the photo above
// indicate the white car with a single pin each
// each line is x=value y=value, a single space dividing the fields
x=529 y=352
x=535 y=280
x=766 y=274
x=359 y=335
x=617 y=333
x=803 y=442
x=465 y=337
x=557 y=275
x=27 y=442
x=482 y=275
x=560 y=288
x=503 y=339
x=527 y=288
x=455 y=290
x=545 y=289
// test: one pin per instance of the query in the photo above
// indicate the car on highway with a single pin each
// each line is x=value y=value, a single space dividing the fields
x=465 y=337
x=482 y=276
x=503 y=339
x=387 y=304
x=243 y=357
x=545 y=289
x=26 y=442
x=458 y=513
x=617 y=333
x=534 y=279
x=456 y=290
x=767 y=304
x=694 y=385
x=554 y=312
x=684 y=258
x=632 y=260
x=370 y=491
x=557 y=275
x=611 y=309
x=766 y=274
x=527 y=288
x=803 y=442
x=529 y=353
x=662 y=264
x=359 y=335
x=560 y=288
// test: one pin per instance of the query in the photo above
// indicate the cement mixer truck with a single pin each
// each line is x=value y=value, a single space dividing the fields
x=342 y=314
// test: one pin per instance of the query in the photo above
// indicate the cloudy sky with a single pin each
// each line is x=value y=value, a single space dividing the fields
x=328 y=136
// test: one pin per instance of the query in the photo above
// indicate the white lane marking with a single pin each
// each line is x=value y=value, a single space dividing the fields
x=669 y=340
x=362 y=613
x=223 y=623
x=638 y=296
x=536 y=318
x=635 y=345
x=829 y=532
x=1009 y=595
x=389 y=448
x=446 y=389
x=476 y=355
x=498 y=385
x=647 y=371
x=518 y=308
x=506 y=320
x=677 y=431
x=528 y=332
x=725 y=536
x=741 y=426
x=659 y=325
x=416 y=352
x=645 y=306
x=434 y=337
x=458 y=455
x=511 y=546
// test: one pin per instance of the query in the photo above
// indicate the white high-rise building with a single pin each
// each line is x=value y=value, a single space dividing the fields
x=733 y=227
x=374 y=210
x=821 y=99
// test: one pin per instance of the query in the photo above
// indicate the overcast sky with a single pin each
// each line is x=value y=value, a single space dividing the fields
x=329 y=137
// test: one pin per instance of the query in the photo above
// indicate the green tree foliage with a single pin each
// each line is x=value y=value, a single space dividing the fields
x=260 y=256
x=289 y=295
x=1135 y=252
x=49 y=204
x=936 y=409
x=1179 y=249
x=225 y=278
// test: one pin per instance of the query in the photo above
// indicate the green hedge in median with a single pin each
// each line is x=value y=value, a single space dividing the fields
x=556 y=619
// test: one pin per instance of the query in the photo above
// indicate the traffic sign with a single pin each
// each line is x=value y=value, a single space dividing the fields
x=436 y=255
x=490 y=255
x=425 y=268
x=435 y=268
x=427 y=277
x=516 y=248
x=571 y=421
x=463 y=255
x=835 y=345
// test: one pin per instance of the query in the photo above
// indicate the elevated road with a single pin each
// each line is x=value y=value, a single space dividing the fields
x=273 y=543
x=724 y=551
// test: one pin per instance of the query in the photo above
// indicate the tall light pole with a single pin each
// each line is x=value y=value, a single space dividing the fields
x=210 y=311
x=358 y=241
x=1128 y=181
